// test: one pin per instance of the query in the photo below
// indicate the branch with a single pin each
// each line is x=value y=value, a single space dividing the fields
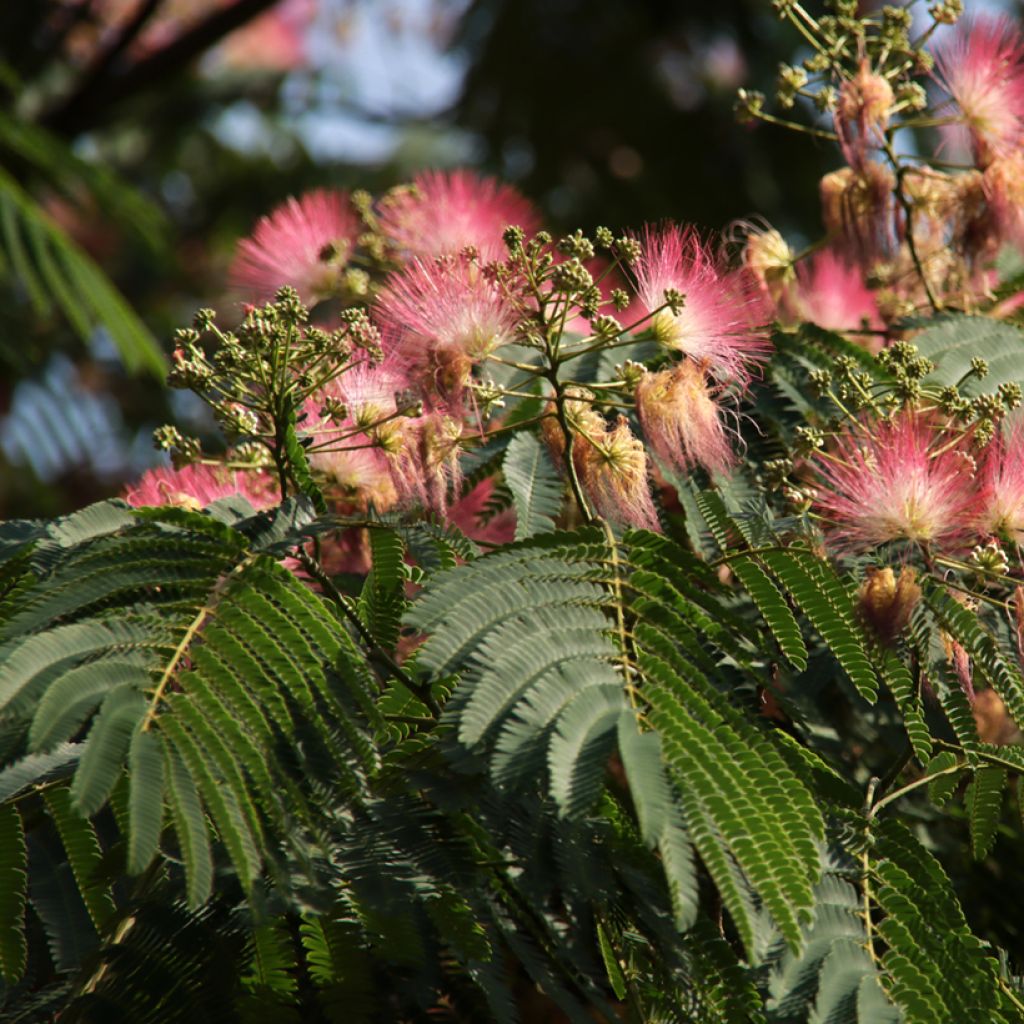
x=84 y=108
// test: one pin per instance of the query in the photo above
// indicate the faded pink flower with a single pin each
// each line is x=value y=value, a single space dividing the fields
x=273 y=41
x=981 y=66
x=303 y=242
x=862 y=114
x=999 y=509
x=443 y=315
x=472 y=515
x=1003 y=184
x=721 y=323
x=681 y=419
x=196 y=486
x=895 y=479
x=859 y=211
x=447 y=211
x=832 y=294
x=612 y=468
x=426 y=469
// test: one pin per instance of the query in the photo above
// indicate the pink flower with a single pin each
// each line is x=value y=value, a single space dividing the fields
x=721 y=321
x=859 y=211
x=443 y=315
x=613 y=472
x=982 y=67
x=1000 y=501
x=896 y=479
x=1003 y=185
x=472 y=514
x=196 y=486
x=681 y=419
x=303 y=242
x=831 y=293
x=445 y=212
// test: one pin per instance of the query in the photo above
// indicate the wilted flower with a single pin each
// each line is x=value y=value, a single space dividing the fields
x=767 y=255
x=681 y=419
x=447 y=211
x=858 y=210
x=196 y=486
x=862 y=114
x=721 y=320
x=982 y=67
x=426 y=467
x=897 y=479
x=304 y=242
x=613 y=472
x=1003 y=183
x=885 y=603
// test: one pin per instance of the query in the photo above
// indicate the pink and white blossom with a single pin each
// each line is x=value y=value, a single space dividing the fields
x=903 y=478
x=721 y=322
x=304 y=243
x=981 y=66
x=196 y=486
x=831 y=293
x=999 y=509
x=446 y=212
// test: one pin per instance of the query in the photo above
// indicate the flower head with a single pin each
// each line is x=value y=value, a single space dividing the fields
x=862 y=114
x=196 y=486
x=720 y=321
x=613 y=472
x=304 y=242
x=858 y=210
x=896 y=479
x=982 y=67
x=446 y=212
x=831 y=293
x=443 y=315
x=1000 y=505
x=1003 y=185
x=426 y=467
x=681 y=419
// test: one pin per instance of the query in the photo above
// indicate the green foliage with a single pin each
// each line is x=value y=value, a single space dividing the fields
x=535 y=485
x=55 y=272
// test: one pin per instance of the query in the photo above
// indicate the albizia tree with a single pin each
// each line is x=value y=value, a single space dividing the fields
x=620 y=626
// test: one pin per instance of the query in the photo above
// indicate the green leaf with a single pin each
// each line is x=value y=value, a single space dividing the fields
x=105 y=748
x=13 y=885
x=772 y=606
x=145 y=799
x=84 y=855
x=536 y=487
x=613 y=969
x=190 y=826
x=984 y=802
x=942 y=788
x=956 y=340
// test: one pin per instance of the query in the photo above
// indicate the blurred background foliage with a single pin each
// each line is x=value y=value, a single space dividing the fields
x=139 y=139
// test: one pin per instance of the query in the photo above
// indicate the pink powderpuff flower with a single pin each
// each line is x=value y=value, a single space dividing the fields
x=681 y=419
x=303 y=242
x=999 y=509
x=722 y=321
x=981 y=66
x=612 y=468
x=831 y=293
x=895 y=479
x=441 y=316
x=196 y=486
x=447 y=211
x=859 y=212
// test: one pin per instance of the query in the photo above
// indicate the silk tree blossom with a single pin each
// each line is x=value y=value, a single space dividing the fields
x=1003 y=184
x=721 y=322
x=446 y=212
x=831 y=293
x=443 y=315
x=612 y=469
x=681 y=419
x=982 y=67
x=859 y=212
x=1000 y=504
x=897 y=479
x=304 y=242
x=196 y=486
